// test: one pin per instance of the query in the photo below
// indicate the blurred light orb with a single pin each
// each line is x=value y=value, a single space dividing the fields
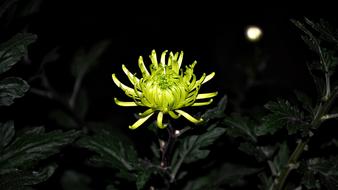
x=253 y=33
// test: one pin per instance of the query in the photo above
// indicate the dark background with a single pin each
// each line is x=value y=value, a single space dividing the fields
x=249 y=73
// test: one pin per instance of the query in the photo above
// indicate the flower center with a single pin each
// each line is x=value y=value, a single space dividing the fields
x=164 y=91
x=164 y=81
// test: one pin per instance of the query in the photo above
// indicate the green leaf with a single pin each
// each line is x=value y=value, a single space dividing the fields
x=20 y=180
x=325 y=170
x=193 y=148
x=253 y=150
x=281 y=159
x=14 y=49
x=11 y=88
x=32 y=146
x=229 y=173
x=283 y=114
x=142 y=178
x=240 y=127
x=84 y=60
x=112 y=151
x=216 y=112
x=7 y=133
x=327 y=32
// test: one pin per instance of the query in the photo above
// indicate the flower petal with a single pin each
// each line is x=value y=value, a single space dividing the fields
x=153 y=59
x=174 y=115
x=121 y=103
x=163 y=58
x=209 y=77
x=129 y=91
x=202 y=103
x=160 y=120
x=180 y=59
x=133 y=79
x=206 y=95
x=140 y=122
x=189 y=117
x=146 y=113
x=143 y=68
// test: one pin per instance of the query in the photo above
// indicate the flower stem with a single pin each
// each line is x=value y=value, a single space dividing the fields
x=320 y=112
x=168 y=147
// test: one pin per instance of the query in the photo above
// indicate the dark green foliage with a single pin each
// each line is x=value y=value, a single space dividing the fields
x=283 y=114
x=321 y=173
x=31 y=146
x=228 y=174
x=241 y=127
x=14 y=49
x=21 y=180
x=10 y=53
x=113 y=151
x=193 y=148
x=21 y=151
x=11 y=88
x=7 y=133
x=216 y=112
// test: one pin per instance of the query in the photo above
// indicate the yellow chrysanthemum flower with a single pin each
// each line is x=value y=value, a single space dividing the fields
x=165 y=89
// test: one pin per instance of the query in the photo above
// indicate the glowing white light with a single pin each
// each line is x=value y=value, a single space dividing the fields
x=253 y=33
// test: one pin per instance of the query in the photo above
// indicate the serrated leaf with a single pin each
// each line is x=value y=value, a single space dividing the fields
x=7 y=133
x=14 y=49
x=283 y=114
x=216 y=112
x=112 y=151
x=11 y=88
x=240 y=127
x=20 y=180
x=142 y=178
x=324 y=169
x=253 y=150
x=84 y=60
x=281 y=159
x=193 y=148
x=229 y=173
x=29 y=148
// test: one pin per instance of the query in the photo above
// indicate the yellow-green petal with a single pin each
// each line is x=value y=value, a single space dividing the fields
x=146 y=113
x=153 y=59
x=206 y=95
x=127 y=104
x=160 y=120
x=209 y=77
x=129 y=91
x=174 y=115
x=142 y=67
x=180 y=59
x=132 y=78
x=140 y=122
x=163 y=58
x=202 y=103
x=189 y=117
